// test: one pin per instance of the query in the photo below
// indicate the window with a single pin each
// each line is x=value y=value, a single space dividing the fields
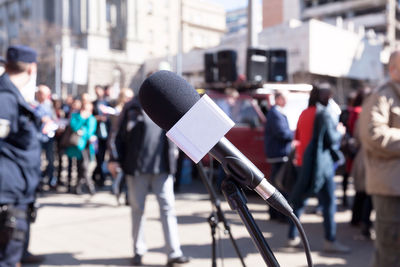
x=26 y=6
x=150 y=8
x=74 y=19
x=49 y=11
x=198 y=40
x=150 y=36
x=12 y=23
x=117 y=23
x=2 y=40
x=166 y=25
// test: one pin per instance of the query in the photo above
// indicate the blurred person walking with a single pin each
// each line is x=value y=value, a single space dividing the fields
x=355 y=166
x=305 y=126
x=148 y=159
x=317 y=172
x=45 y=110
x=344 y=170
x=278 y=140
x=380 y=137
x=125 y=95
x=84 y=124
x=76 y=106
x=61 y=121
x=19 y=152
x=102 y=133
x=67 y=105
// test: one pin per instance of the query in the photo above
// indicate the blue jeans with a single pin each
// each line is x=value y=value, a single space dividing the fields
x=387 y=226
x=326 y=198
x=48 y=148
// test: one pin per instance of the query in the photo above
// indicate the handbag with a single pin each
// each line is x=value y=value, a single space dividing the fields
x=349 y=146
x=69 y=138
x=286 y=177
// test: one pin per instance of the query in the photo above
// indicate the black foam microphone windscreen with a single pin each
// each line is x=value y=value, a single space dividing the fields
x=166 y=97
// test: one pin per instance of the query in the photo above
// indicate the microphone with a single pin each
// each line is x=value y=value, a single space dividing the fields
x=168 y=99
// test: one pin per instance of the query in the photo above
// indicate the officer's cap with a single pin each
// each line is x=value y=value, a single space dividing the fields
x=21 y=53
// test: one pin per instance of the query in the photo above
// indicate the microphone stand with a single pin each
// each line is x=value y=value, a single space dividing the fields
x=237 y=201
x=217 y=217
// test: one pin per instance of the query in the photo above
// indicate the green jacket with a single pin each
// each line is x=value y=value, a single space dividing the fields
x=88 y=128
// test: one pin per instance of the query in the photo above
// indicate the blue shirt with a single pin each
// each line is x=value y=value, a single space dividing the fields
x=45 y=109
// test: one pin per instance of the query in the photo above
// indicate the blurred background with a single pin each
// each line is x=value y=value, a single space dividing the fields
x=82 y=43
x=239 y=52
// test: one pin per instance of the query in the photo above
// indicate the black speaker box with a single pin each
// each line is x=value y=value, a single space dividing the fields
x=226 y=62
x=277 y=66
x=210 y=68
x=257 y=65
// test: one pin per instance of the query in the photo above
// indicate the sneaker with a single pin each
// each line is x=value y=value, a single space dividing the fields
x=137 y=260
x=178 y=260
x=92 y=189
x=294 y=243
x=335 y=246
x=53 y=182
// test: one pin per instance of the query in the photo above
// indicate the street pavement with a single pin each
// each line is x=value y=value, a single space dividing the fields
x=74 y=230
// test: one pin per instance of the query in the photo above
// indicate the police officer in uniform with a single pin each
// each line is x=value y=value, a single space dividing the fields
x=19 y=151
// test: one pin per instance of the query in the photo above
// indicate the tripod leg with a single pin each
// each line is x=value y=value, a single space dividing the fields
x=213 y=225
x=220 y=215
x=237 y=202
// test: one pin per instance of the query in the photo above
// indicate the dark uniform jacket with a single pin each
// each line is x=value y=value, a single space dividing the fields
x=19 y=146
x=142 y=146
x=278 y=136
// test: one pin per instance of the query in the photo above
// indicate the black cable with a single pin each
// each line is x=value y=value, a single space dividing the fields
x=278 y=202
x=303 y=236
x=221 y=248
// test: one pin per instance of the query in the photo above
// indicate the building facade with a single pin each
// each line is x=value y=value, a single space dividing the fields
x=236 y=20
x=117 y=36
x=275 y=12
x=203 y=24
x=380 y=17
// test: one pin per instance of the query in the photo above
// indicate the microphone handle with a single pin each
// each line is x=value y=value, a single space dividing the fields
x=240 y=168
x=238 y=165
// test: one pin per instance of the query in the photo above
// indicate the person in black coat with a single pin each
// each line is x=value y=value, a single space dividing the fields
x=148 y=158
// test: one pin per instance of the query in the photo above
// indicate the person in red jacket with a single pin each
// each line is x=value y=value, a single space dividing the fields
x=304 y=129
x=317 y=136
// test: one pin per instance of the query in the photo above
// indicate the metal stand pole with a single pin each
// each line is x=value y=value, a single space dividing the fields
x=213 y=225
x=237 y=201
x=219 y=214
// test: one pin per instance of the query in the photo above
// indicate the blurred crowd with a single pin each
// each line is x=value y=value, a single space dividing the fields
x=359 y=143
x=303 y=162
x=83 y=166
x=103 y=143
x=109 y=144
